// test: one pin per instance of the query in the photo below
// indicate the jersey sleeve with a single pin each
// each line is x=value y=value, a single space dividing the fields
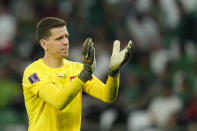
x=33 y=80
x=105 y=92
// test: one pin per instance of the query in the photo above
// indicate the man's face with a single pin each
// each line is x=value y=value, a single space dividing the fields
x=57 y=44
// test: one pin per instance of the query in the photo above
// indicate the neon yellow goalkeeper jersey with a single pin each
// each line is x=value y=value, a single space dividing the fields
x=45 y=117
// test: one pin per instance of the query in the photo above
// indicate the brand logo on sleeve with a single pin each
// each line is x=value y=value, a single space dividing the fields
x=34 y=78
x=72 y=78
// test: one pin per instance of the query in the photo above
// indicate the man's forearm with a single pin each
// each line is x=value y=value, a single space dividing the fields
x=110 y=91
x=60 y=98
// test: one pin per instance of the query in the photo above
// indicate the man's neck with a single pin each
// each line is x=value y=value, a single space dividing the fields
x=52 y=61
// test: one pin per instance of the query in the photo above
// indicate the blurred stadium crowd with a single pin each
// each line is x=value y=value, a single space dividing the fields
x=158 y=88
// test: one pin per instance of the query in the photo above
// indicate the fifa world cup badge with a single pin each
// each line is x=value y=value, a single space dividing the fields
x=34 y=78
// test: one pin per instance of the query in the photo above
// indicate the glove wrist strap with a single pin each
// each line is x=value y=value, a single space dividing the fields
x=86 y=74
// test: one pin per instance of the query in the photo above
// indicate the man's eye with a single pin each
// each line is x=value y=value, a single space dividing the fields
x=59 y=38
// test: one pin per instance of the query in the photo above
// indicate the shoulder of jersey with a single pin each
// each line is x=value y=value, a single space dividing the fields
x=35 y=65
x=72 y=62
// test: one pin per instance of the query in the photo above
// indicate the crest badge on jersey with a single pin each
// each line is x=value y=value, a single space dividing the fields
x=34 y=78
x=72 y=78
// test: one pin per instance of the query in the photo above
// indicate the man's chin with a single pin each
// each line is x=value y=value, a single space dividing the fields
x=64 y=56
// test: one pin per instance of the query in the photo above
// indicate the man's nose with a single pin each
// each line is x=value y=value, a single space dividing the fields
x=65 y=41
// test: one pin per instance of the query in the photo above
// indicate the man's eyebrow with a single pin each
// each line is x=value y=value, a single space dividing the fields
x=61 y=36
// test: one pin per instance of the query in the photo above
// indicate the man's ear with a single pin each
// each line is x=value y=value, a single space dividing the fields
x=43 y=43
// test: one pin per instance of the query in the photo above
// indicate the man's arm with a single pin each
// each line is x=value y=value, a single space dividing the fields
x=60 y=98
x=106 y=92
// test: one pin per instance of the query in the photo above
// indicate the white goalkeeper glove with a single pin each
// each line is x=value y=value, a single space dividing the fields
x=118 y=57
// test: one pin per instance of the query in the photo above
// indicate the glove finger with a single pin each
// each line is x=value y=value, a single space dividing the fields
x=130 y=49
x=116 y=46
x=85 y=45
x=131 y=46
x=126 y=56
x=92 y=53
x=88 y=53
x=128 y=52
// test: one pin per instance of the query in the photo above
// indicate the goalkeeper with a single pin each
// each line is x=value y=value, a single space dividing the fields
x=53 y=85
